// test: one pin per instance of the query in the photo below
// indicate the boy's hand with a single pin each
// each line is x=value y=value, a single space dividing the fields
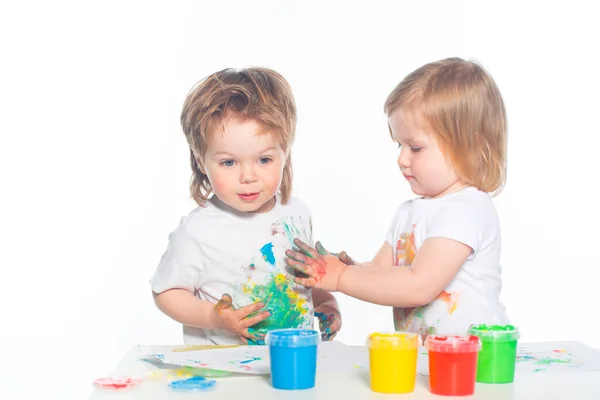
x=330 y=322
x=237 y=321
x=322 y=271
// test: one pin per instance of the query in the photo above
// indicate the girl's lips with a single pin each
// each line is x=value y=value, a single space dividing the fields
x=248 y=196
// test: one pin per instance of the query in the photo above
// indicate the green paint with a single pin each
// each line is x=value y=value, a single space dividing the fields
x=320 y=249
x=495 y=328
x=497 y=358
x=548 y=361
x=286 y=305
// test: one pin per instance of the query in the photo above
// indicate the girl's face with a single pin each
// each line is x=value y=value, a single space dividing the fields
x=244 y=164
x=421 y=160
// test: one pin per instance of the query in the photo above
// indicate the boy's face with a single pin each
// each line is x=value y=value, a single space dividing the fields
x=244 y=164
x=421 y=160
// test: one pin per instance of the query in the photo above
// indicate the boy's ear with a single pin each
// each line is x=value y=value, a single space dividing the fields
x=198 y=162
x=200 y=166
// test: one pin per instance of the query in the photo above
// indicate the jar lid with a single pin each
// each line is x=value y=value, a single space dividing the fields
x=495 y=333
x=393 y=341
x=292 y=338
x=453 y=343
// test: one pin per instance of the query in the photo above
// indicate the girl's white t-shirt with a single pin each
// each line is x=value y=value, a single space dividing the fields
x=473 y=296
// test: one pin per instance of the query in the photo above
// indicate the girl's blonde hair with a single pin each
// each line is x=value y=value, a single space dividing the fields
x=260 y=94
x=460 y=102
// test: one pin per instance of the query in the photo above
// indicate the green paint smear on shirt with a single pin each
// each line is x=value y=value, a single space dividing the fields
x=286 y=305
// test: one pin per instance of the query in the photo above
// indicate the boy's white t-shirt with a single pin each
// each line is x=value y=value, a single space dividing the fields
x=217 y=249
x=469 y=217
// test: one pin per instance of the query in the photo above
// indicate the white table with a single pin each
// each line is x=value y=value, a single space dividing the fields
x=348 y=383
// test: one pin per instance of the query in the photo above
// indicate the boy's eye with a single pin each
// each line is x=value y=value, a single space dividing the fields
x=415 y=149
x=264 y=160
x=399 y=145
x=228 y=163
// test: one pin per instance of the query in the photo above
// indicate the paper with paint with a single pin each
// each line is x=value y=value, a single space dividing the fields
x=252 y=360
x=542 y=357
x=242 y=359
x=556 y=357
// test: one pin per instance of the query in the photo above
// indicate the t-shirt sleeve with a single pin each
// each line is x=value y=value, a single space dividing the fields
x=463 y=220
x=390 y=237
x=180 y=266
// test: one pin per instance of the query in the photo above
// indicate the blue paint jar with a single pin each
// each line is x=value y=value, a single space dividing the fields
x=293 y=354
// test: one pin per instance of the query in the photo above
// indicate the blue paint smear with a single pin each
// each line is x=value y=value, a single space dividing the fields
x=267 y=252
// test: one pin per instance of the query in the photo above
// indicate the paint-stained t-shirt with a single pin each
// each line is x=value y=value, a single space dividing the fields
x=218 y=250
x=472 y=297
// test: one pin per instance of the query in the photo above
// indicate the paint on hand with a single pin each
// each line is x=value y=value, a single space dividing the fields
x=325 y=325
x=320 y=249
x=288 y=309
x=320 y=269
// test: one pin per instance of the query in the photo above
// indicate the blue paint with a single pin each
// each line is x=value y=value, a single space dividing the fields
x=267 y=252
x=194 y=384
x=293 y=354
x=250 y=360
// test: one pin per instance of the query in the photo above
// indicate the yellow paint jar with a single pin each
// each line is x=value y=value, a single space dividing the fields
x=393 y=361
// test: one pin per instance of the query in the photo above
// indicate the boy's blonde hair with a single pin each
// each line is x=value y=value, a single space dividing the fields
x=460 y=102
x=259 y=94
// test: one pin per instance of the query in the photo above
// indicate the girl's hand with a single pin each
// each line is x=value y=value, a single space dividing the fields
x=330 y=322
x=322 y=271
x=237 y=321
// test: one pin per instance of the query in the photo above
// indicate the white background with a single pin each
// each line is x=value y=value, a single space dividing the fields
x=94 y=167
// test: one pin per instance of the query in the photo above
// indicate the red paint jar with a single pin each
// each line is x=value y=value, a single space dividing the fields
x=452 y=364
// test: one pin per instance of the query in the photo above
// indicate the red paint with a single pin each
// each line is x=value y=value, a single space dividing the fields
x=320 y=269
x=453 y=364
x=116 y=383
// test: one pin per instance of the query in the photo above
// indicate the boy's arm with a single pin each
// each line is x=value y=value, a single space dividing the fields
x=187 y=309
x=328 y=312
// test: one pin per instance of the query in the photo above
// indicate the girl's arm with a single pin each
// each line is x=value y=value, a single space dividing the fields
x=384 y=257
x=434 y=267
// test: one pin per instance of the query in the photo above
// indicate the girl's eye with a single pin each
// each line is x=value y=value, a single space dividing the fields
x=399 y=145
x=415 y=149
x=264 y=160
x=228 y=163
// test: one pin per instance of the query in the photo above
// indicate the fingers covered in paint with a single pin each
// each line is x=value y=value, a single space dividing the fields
x=320 y=249
x=225 y=302
x=237 y=321
x=306 y=249
x=330 y=323
x=346 y=259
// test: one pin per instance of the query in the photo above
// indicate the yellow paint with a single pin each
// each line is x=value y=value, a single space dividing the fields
x=393 y=362
x=205 y=347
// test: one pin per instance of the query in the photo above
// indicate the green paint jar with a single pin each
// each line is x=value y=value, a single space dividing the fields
x=498 y=355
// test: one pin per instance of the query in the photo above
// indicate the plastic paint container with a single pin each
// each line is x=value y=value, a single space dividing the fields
x=498 y=354
x=452 y=364
x=293 y=354
x=393 y=361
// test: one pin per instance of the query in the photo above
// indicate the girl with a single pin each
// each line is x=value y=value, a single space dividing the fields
x=223 y=273
x=440 y=264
